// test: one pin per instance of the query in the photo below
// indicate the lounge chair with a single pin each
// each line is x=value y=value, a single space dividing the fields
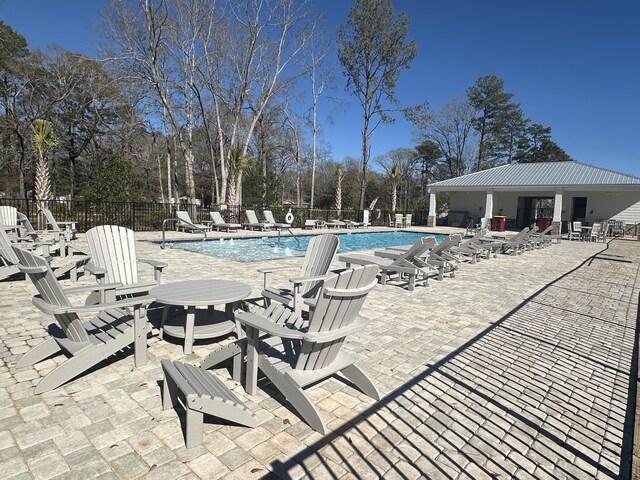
x=114 y=260
x=491 y=245
x=252 y=222
x=438 y=256
x=335 y=224
x=218 y=223
x=185 y=224
x=86 y=342
x=404 y=264
x=268 y=218
x=519 y=242
x=317 y=260
x=293 y=359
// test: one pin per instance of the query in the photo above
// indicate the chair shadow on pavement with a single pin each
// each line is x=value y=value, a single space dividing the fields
x=547 y=391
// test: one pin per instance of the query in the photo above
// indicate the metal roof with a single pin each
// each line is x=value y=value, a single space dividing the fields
x=547 y=174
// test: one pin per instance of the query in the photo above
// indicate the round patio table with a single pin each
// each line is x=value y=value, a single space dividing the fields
x=199 y=323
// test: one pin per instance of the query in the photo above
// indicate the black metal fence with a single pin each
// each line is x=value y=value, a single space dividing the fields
x=147 y=216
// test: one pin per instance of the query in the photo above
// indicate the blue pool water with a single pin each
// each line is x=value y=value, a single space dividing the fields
x=267 y=248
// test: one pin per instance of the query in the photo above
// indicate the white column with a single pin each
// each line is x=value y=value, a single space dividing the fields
x=432 y=204
x=488 y=207
x=557 y=207
x=431 y=219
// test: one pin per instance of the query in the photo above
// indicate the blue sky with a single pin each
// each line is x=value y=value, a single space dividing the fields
x=573 y=65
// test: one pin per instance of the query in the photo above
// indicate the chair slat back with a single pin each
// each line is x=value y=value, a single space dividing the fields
x=577 y=226
x=268 y=216
x=217 y=218
x=417 y=250
x=444 y=245
x=114 y=248
x=51 y=293
x=365 y=218
x=50 y=218
x=338 y=305
x=251 y=216
x=318 y=258
x=6 y=252
x=8 y=215
x=183 y=218
x=407 y=220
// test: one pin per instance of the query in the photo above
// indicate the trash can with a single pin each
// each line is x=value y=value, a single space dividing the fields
x=498 y=223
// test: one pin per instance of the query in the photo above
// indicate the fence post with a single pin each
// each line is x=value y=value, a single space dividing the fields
x=133 y=216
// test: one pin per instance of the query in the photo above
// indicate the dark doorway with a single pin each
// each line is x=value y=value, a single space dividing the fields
x=531 y=209
x=579 y=210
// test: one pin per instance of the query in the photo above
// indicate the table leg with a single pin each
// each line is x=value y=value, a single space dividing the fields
x=140 y=338
x=188 y=329
x=252 y=360
x=165 y=316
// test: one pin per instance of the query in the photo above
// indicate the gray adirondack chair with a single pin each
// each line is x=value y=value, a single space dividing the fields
x=114 y=260
x=252 y=222
x=9 y=219
x=69 y=228
x=86 y=342
x=293 y=358
x=185 y=223
x=405 y=264
x=317 y=260
x=9 y=261
x=218 y=222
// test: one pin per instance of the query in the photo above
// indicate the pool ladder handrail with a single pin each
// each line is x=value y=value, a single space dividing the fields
x=290 y=233
x=195 y=227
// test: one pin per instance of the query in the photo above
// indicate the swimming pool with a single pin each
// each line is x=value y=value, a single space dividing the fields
x=268 y=248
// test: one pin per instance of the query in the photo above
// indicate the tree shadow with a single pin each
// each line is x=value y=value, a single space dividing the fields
x=548 y=391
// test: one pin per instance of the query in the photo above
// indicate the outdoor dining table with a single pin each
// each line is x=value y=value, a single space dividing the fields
x=199 y=323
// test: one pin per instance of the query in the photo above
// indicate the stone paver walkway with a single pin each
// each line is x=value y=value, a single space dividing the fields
x=517 y=368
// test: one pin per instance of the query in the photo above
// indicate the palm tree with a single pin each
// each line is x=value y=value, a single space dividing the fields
x=339 y=177
x=394 y=175
x=43 y=140
x=239 y=163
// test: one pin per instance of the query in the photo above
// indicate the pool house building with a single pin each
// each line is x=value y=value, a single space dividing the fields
x=546 y=193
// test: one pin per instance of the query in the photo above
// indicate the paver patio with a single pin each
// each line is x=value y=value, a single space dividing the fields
x=518 y=367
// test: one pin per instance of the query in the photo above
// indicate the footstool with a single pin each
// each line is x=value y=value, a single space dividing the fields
x=201 y=392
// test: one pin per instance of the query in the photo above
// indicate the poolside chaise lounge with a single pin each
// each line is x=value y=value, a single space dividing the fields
x=335 y=223
x=252 y=222
x=87 y=343
x=185 y=223
x=436 y=257
x=218 y=223
x=406 y=264
x=304 y=286
x=269 y=218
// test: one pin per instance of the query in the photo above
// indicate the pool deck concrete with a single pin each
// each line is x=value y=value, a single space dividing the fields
x=518 y=367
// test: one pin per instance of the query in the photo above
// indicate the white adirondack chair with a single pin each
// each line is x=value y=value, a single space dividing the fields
x=114 y=260
x=305 y=285
x=86 y=342
x=293 y=359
